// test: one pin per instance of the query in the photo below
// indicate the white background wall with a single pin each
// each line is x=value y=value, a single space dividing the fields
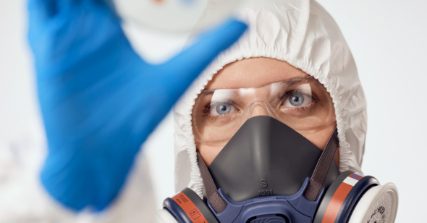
x=388 y=39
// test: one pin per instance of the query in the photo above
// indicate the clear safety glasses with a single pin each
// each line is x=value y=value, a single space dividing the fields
x=301 y=103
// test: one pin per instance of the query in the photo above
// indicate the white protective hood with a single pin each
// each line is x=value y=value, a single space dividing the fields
x=303 y=34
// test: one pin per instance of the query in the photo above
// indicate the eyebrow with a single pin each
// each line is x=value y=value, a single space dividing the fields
x=209 y=91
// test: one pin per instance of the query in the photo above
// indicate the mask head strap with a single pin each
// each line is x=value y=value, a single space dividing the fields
x=218 y=204
x=320 y=173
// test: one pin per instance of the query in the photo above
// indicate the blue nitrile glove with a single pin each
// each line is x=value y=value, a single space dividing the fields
x=99 y=100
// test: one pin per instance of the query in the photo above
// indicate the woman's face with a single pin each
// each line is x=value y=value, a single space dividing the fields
x=256 y=73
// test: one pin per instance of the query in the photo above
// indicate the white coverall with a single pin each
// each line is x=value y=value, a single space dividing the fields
x=23 y=199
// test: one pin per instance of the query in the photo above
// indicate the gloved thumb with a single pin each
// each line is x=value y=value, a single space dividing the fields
x=188 y=64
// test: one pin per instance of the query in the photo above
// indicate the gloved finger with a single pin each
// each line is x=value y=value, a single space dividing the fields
x=188 y=64
x=49 y=8
x=40 y=10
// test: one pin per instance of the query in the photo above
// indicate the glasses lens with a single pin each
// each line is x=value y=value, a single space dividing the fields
x=303 y=104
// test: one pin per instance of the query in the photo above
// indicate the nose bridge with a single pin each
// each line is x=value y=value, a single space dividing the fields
x=259 y=108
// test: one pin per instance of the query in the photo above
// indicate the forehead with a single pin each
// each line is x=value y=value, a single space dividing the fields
x=254 y=72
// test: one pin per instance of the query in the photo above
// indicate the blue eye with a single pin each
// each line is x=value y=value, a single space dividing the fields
x=298 y=99
x=222 y=108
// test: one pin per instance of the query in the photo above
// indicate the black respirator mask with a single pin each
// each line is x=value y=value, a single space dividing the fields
x=268 y=172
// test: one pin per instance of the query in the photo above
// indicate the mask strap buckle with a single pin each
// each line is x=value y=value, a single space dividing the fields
x=217 y=202
x=317 y=179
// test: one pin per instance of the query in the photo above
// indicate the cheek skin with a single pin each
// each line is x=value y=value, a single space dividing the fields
x=209 y=152
x=319 y=138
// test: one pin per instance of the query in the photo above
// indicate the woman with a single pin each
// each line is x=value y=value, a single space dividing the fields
x=287 y=41
x=261 y=133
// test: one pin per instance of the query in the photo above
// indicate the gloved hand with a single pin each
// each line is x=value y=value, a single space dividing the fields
x=99 y=100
